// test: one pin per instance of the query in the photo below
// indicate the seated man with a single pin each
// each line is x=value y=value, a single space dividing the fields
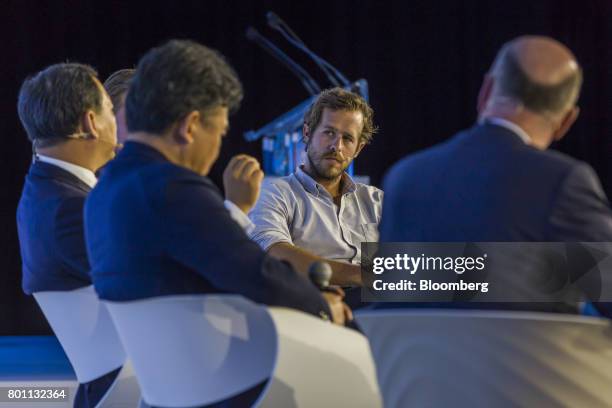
x=155 y=224
x=319 y=211
x=68 y=118
x=117 y=85
x=498 y=181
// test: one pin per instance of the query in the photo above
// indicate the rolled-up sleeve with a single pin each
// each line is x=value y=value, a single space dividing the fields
x=272 y=217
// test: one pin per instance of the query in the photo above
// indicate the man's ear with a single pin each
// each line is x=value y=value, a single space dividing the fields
x=566 y=123
x=186 y=128
x=485 y=93
x=88 y=125
x=362 y=144
x=306 y=134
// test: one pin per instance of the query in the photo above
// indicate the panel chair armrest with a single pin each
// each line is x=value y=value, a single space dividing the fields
x=84 y=328
x=477 y=358
x=320 y=364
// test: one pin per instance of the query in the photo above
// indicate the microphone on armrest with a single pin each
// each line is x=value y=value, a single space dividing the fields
x=320 y=274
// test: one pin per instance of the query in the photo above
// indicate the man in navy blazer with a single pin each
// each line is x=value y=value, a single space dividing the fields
x=155 y=224
x=68 y=118
x=496 y=181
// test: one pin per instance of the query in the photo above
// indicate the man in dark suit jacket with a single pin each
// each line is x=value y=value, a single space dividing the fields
x=155 y=224
x=496 y=181
x=69 y=120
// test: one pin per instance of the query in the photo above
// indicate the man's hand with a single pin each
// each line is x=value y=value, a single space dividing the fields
x=339 y=310
x=348 y=313
x=242 y=181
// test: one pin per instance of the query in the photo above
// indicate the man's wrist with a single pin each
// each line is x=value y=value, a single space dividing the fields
x=352 y=273
x=239 y=215
x=244 y=208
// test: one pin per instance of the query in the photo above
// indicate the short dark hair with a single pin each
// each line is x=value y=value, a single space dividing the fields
x=177 y=78
x=51 y=103
x=117 y=85
x=515 y=83
x=340 y=99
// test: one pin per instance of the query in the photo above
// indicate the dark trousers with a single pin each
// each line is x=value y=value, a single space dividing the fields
x=245 y=399
x=89 y=394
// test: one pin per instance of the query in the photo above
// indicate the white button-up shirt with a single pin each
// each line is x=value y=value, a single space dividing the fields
x=299 y=211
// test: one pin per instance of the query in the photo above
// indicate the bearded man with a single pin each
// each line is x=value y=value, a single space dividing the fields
x=319 y=212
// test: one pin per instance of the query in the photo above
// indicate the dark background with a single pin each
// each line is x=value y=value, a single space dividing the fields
x=424 y=61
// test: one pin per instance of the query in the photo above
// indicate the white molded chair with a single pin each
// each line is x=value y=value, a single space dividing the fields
x=459 y=358
x=87 y=334
x=193 y=350
x=322 y=364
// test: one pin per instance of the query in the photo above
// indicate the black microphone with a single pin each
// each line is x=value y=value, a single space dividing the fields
x=320 y=274
x=309 y=83
x=275 y=22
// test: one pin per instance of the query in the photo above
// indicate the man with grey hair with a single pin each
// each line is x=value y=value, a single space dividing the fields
x=496 y=181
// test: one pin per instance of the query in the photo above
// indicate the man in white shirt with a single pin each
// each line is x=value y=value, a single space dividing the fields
x=319 y=212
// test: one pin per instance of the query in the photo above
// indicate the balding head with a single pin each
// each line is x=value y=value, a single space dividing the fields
x=539 y=73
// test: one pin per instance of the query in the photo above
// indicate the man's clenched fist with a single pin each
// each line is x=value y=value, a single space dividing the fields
x=242 y=181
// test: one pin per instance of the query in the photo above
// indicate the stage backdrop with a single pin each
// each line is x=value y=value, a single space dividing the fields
x=424 y=61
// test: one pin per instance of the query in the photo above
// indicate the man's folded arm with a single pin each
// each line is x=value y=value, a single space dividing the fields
x=203 y=236
x=272 y=217
x=344 y=274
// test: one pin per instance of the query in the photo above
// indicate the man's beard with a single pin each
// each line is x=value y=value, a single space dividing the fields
x=320 y=173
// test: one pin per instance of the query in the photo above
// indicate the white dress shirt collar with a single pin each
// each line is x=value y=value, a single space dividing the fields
x=513 y=127
x=85 y=175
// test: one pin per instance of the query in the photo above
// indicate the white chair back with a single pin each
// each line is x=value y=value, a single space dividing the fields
x=320 y=364
x=441 y=358
x=195 y=350
x=85 y=330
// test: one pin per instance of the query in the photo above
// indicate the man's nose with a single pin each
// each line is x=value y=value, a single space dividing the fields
x=336 y=145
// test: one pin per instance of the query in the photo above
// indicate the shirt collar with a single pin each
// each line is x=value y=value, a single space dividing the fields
x=85 y=175
x=348 y=185
x=513 y=127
